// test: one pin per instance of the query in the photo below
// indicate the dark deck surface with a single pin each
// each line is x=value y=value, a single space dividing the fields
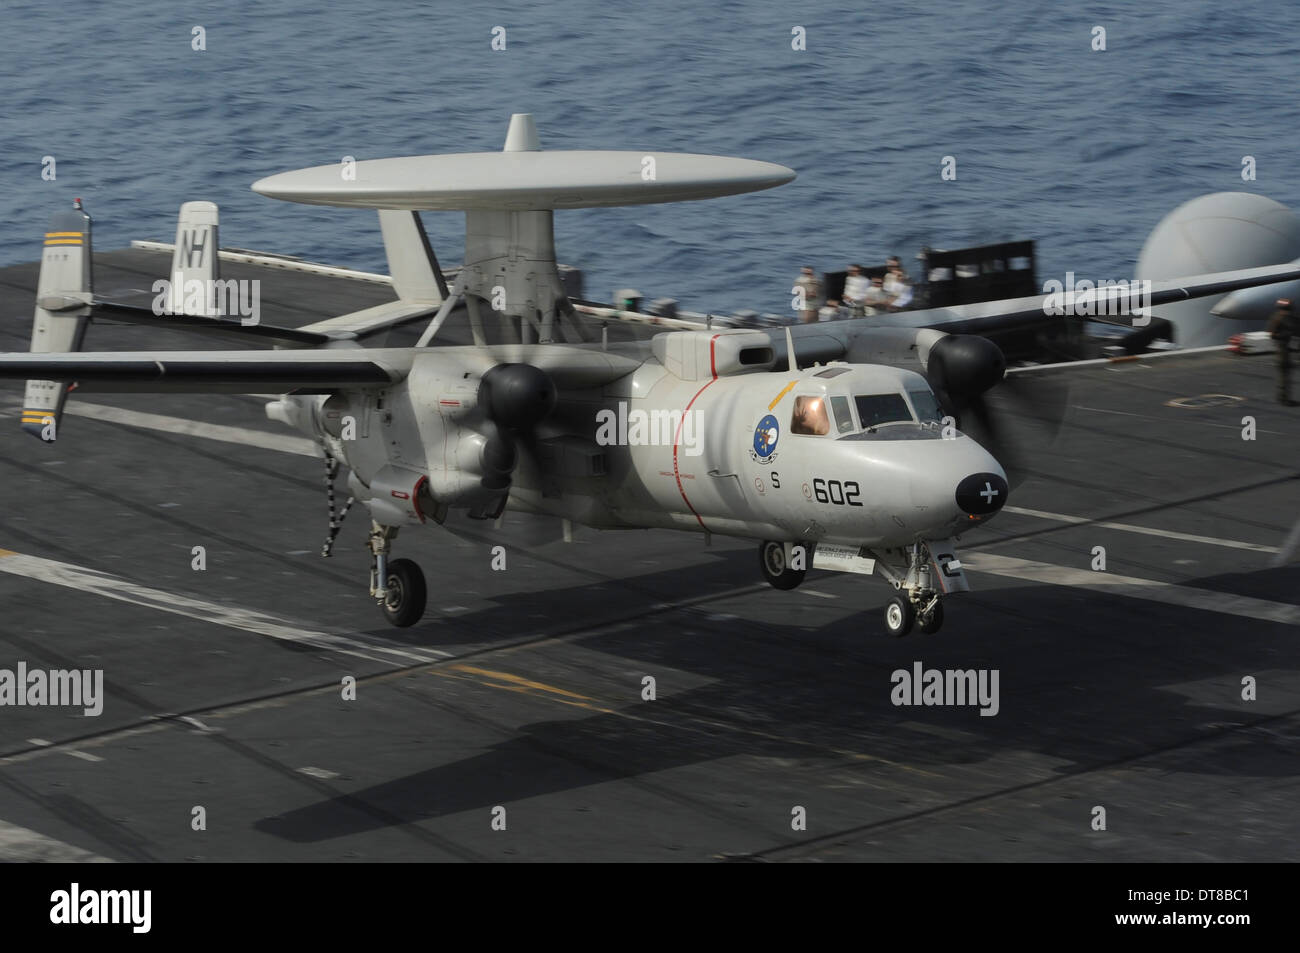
x=522 y=688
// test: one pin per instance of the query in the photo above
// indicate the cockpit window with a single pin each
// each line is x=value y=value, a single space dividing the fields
x=810 y=417
x=926 y=404
x=876 y=409
x=843 y=416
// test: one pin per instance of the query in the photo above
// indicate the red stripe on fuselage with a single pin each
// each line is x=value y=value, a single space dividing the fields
x=713 y=369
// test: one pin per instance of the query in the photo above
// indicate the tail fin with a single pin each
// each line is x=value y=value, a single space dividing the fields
x=417 y=279
x=411 y=262
x=63 y=298
x=192 y=287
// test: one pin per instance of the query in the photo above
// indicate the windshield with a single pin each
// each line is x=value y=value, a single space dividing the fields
x=843 y=416
x=926 y=404
x=877 y=409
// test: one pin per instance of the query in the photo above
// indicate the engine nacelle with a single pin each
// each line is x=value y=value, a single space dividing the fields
x=476 y=464
x=440 y=438
x=301 y=413
x=395 y=496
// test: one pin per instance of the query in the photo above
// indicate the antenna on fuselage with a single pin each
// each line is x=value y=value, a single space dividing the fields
x=791 y=364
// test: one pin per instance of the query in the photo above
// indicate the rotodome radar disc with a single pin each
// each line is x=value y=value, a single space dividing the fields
x=519 y=181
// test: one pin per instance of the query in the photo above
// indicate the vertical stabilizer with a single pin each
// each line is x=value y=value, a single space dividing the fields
x=63 y=297
x=192 y=281
x=411 y=261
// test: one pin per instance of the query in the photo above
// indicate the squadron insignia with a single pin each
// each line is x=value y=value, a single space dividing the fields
x=765 y=436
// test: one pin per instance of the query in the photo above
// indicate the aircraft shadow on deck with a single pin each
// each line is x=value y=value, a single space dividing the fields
x=1077 y=688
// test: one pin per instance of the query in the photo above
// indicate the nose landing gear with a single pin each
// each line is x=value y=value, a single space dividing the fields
x=918 y=602
x=930 y=619
x=921 y=573
x=899 y=616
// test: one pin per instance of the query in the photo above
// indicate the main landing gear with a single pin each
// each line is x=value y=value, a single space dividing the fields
x=397 y=584
x=778 y=562
x=918 y=603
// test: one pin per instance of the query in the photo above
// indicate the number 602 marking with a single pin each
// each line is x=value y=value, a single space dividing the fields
x=840 y=494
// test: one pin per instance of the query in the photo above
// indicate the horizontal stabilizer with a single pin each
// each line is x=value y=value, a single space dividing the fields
x=417 y=279
x=63 y=296
x=222 y=327
x=371 y=320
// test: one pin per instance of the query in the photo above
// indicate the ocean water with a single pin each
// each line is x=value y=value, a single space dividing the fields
x=1083 y=151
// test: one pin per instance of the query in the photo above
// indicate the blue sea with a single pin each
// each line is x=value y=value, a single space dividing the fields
x=1082 y=150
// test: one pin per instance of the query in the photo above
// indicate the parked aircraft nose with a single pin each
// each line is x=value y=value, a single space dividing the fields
x=982 y=494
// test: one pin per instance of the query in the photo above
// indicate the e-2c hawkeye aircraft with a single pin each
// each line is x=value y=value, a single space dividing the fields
x=844 y=446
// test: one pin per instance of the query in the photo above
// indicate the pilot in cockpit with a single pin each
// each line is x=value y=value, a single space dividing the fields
x=810 y=417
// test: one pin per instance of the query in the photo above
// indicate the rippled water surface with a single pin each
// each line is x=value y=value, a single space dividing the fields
x=1084 y=151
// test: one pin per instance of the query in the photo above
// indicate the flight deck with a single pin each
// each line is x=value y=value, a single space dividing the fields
x=1138 y=584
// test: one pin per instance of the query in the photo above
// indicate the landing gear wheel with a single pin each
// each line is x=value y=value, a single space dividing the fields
x=407 y=594
x=899 y=616
x=771 y=561
x=931 y=621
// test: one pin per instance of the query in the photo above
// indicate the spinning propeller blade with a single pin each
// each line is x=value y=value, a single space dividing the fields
x=1014 y=417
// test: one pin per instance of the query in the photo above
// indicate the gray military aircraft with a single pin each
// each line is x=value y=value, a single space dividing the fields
x=843 y=446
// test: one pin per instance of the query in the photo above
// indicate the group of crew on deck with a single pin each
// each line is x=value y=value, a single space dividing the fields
x=862 y=296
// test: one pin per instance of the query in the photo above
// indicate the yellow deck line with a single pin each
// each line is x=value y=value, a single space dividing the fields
x=517 y=680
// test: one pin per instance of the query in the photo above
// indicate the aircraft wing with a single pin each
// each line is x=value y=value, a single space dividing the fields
x=301 y=372
x=989 y=316
x=215 y=372
x=905 y=336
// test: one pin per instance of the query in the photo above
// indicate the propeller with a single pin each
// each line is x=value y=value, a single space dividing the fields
x=1014 y=417
x=515 y=398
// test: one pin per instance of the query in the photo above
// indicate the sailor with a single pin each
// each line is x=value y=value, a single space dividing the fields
x=812 y=290
x=894 y=280
x=856 y=286
x=1282 y=327
x=902 y=299
x=876 y=298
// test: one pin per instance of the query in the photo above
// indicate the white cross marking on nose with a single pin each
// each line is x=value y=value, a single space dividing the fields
x=988 y=492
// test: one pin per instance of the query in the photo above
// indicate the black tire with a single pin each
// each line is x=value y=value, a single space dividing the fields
x=932 y=622
x=771 y=562
x=407 y=593
x=899 y=616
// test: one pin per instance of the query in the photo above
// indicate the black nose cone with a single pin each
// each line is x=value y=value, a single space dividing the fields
x=982 y=493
